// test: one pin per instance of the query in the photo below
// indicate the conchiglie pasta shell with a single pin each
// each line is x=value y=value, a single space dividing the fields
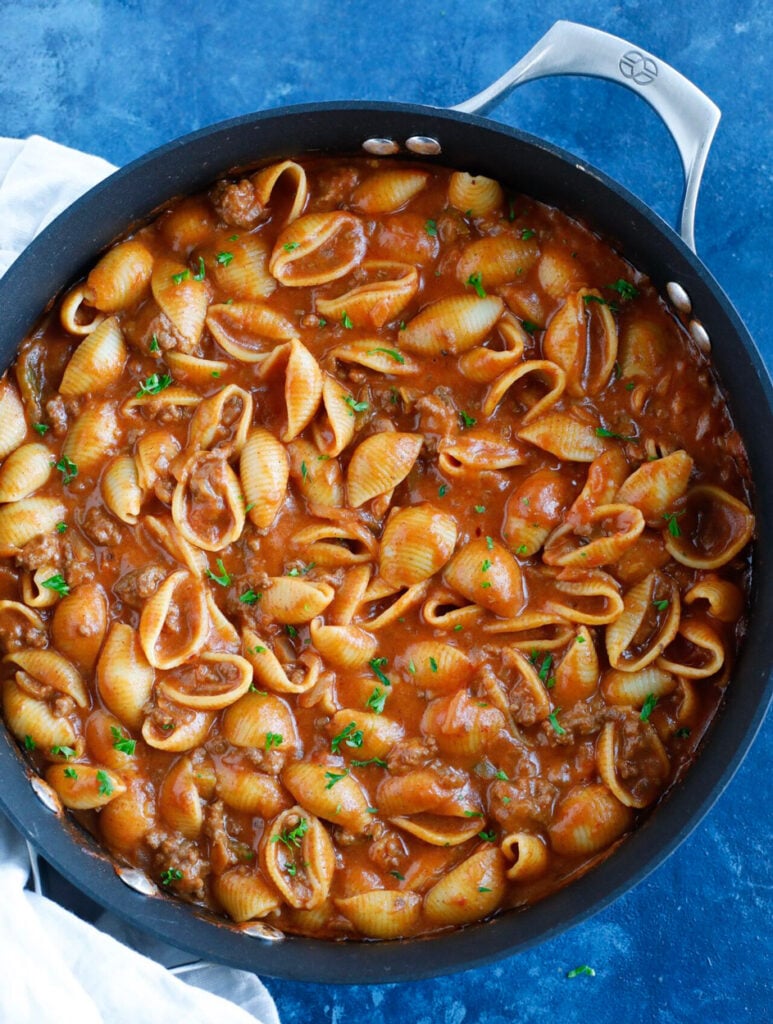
x=52 y=669
x=484 y=364
x=497 y=258
x=318 y=248
x=330 y=545
x=71 y=313
x=101 y=741
x=439 y=830
x=164 y=647
x=344 y=804
x=79 y=624
x=219 y=519
x=13 y=425
x=264 y=471
x=248 y=331
x=655 y=486
x=214 y=425
x=643 y=788
x=461 y=726
x=97 y=362
x=127 y=819
x=163 y=532
x=34 y=591
x=387 y=191
x=633 y=688
x=271 y=673
x=379 y=463
x=155 y=452
x=425 y=790
x=314 y=859
x=121 y=489
x=587 y=820
x=382 y=913
x=603 y=603
x=470 y=891
x=120 y=277
x=400 y=602
x=369 y=352
x=565 y=436
x=188 y=224
x=318 y=479
x=92 y=787
x=487 y=575
x=18 y=613
x=264 y=181
x=582 y=339
x=724 y=598
x=643 y=349
x=474 y=195
x=334 y=427
x=638 y=604
x=92 y=437
x=246 y=276
x=186 y=735
x=288 y=599
x=715 y=527
x=372 y=304
x=451 y=325
x=577 y=675
x=417 y=542
x=345 y=647
x=184 y=303
x=179 y=802
x=475 y=452
x=528 y=856
x=216 y=695
x=250 y=791
x=605 y=475
x=707 y=655
x=245 y=895
x=609 y=531
x=27 y=716
x=379 y=733
x=247 y=722
x=173 y=397
x=303 y=385
x=124 y=675
x=194 y=369
x=545 y=373
x=22 y=521
x=559 y=273
x=24 y=471
x=438 y=667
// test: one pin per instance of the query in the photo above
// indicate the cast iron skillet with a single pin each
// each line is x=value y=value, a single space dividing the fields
x=68 y=249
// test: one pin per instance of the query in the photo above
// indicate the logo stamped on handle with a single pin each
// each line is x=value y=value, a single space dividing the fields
x=640 y=69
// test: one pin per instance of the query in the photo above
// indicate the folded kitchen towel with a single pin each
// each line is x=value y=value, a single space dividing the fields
x=54 y=965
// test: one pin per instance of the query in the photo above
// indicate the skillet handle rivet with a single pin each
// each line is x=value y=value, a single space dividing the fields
x=700 y=336
x=423 y=145
x=137 y=880
x=381 y=147
x=46 y=794
x=679 y=297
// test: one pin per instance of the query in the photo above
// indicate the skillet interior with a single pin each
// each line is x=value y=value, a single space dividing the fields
x=67 y=249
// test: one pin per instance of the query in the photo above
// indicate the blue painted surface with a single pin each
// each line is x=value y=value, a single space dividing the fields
x=692 y=942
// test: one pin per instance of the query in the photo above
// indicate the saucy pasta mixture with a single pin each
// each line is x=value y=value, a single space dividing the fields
x=373 y=548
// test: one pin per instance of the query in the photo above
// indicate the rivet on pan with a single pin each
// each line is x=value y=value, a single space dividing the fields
x=381 y=147
x=137 y=880
x=424 y=145
x=679 y=297
x=700 y=336
x=46 y=795
x=257 y=930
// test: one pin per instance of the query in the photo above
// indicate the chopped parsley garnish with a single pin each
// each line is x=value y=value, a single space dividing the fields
x=70 y=773
x=65 y=752
x=476 y=281
x=29 y=743
x=291 y=869
x=292 y=837
x=673 y=526
x=603 y=432
x=61 y=527
x=250 y=597
x=648 y=707
x=304 y=470
x=545 y=667
x=224 y=258
x=291 y=631
x=377 y=664
x=580 y=639
x=683 y=733
x=661 y=605
x=321 y=322
x=171 y=875
x=559 y=729
x=473 y=814
x=528 y=233
x=480 y=509
x=273 y=739
x=530 y=327
x=57 y=583
x=41 y=428
x=483 y=888
x=182 y=276
x=355 y=405
x=630 y=385
x=67 y=468
x=155 y=384
x=623 y=289
x=334 y=777
x=391 y=352
x=466 y=420
x=490 y=543
x=487 y=837
x=433 y=664
x=377 y=761
x=153 y=346
x=259 y=649
x=397 y=875
x=486 y=585
x=291 y=246
x=412 y=667
x=105 y=785
x=201 y=272
x=584 y=969
x=351 y=736
x=122 y=743
x=602 y=302
x=377 y=700
x=522 y=549
x=442 y=490
x=485 y=565
x=502 y=776
x=430 y=227
x=346 y=320
x=224 y=579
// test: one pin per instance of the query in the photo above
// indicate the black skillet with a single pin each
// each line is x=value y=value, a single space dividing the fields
x=458 y=138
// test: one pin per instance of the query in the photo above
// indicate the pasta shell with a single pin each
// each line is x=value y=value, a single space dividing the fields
x=299 y=840
x=382 y=913
x=271 y=673
x=470 y=891
x=249 y=791
x=266 y=179
x=226 y=678
x=244 y=894
x=179 y=802
x=602 y=602
x=245 y=276
x=445 y=609
x=208 y=504
x=633 y=688
x=264 y=471
x=724 y=598
x=289 y=600
x=704 y=654
x=97 y=362
x=127 y=819
x=436 y=667
x=194 y=369
x=713 y=529
x=102 y=732
x=484 y=364
x=124 y=675
x=461 y=726
x=451 y=325
x=488 y=575
x=303 y=385
x=343 y=802
x=13 y=425
x=249 y=721
x=173 y=397
x=51 y=669
x=608 y=532
x=379 y=733
x=577 y=675
x=27 y=716
x=398 y=603
x=34 y=591
x=24 y=471
x=248 y=331
x=474 y=195
x=379 y=463
x=549 y=377
x=334 y=427
x=386 y=191
x=643 y=346
x=121 y=489
x=179 y=733
x=605 y=474
x=582 y=339
x=369 y=352
x=222 y=421
x=120 y=278
x=651 y=764
x=346 y=647
x=79 y=624
x=438 y=830
x=331 y=545
x=182 y=299
x=422 y=791
x=589 y=819
x=497 y=258
x=318 y=248
x=188 y=224
x=74 y=318
x=648 y=623
x=475 y=452
x=537 y=505
x=18 y=618
x=93 y=436
x=389 y=287
x=655 y=486
x=86 y=787
x=527 y=855
x=417 y=542
x=155 y=453
x=163 y=533
x=174 y=622
x=569 y=437
x=559 y=273
x=318 y=477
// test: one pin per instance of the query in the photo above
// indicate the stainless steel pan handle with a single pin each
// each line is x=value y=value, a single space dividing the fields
x=571 y=49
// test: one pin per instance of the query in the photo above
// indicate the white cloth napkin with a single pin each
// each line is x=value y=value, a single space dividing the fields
x=54 y=965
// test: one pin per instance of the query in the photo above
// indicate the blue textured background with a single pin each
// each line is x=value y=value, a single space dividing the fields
x=692 y=942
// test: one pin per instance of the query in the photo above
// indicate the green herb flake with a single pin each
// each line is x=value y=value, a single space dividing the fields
x=291 y=869
x=683 y=733
x=630 y=385
x=485 y=565
x=480 y=509
x=155 y=384
x=29 y=743
x=486 y=585
x=391 y=352
x=522 y=549
x=603 y=432
x=201 y=273
x=466 y=420
x=61 y=527
x=623 y=289
x=458 y=627
x=171 y=875
x=215 y=373
x=292 y=837
x=483 y=888
x=583 y=969
x=66 y=752
x=473 y=814
x=377 y=665
x=559 y=729
x=259 y=649
x=476 y=281
x=528 y=233
x=430 y=227
x=58 y=584
x=661 y=605
x=355 y=405
x=291 y=246
x=224 y=579
x=587 y=299
x=412 y=667
x=490 y=544
x=442 y=490
x=41 y=428
x=350 y=735
x=335 y=777
x=487 y=837
x=121 y=743
x=154 y=346
x=377 y=761
x=648 y=707
x=292 y=632
x=377 y=700
x=397 y=875
x=224 y=258
x=530 y=327
x=545 y=667
x=70 y=773
x=182 y=276
x=346 y=320
x=673 y=526
x=304 y=470
x=273 y=739
x=433 y=664
x=580 y=639
x=67 y=468
x=321 y=322
x=105 y=785
x=250 y=597
x=502 y=776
